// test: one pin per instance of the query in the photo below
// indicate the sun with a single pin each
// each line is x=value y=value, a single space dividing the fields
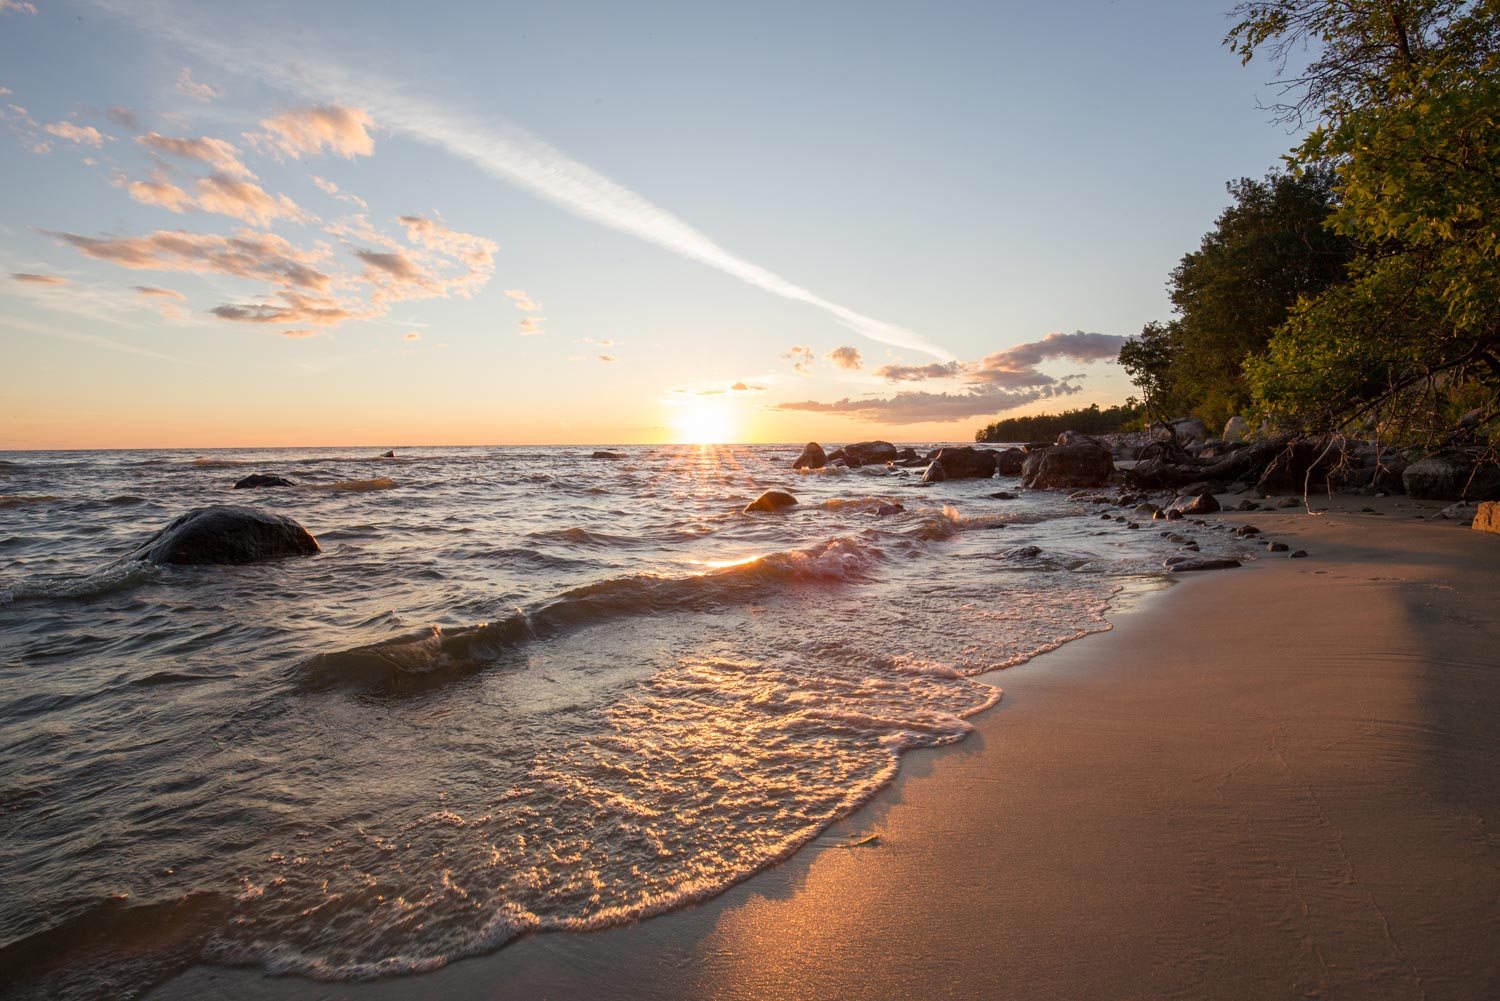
x=704 y=425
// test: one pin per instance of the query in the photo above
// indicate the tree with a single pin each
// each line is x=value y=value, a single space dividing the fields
x=1406 y=97
x=1147 y=359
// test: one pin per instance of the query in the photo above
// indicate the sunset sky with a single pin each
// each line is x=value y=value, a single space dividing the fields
x=485 y=223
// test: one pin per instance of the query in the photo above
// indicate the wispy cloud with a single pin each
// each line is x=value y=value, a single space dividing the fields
x=917 y=408
x=801 y=359
x=192 y=88
x=522 y=300
x=531 y=326
x=219 y=154
x=328 y=187
x=83 y=135
x=16 y=7
x=510 y=153
x=412 y=336
x=247 y=254
x=917 y=373
x=32 y=279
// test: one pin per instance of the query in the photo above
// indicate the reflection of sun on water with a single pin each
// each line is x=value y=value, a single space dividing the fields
x=704 y=425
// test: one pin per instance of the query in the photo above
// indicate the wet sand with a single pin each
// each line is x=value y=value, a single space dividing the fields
x=1271 y=782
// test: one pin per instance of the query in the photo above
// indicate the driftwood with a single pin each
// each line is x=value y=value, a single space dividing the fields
x=1176 y=468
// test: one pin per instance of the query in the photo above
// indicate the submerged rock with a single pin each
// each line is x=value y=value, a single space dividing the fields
x=771 y=500
x=812 y=457
x=1187 y=564
x=226 y=534
x=606 y=454
x=256 y=480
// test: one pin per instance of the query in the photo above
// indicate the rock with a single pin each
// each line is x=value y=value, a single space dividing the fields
x=1487 y=518
x=1236 y=429
x=870 y=452
x=1187 y=564
x=1010 y=462
x=771 y=500
x=888 y=509
x=967 y=462
x=1247 y=505
x=1195 y=504
x=838 y=457
x=1078 y=438
x=812 y=457
x=1003 y=495
x=1451 y=475
x=386 y=455
x=1067 y=466
x=1300 y=554
x=907 y=455
x=257 y=480
x=1245 y=531
x=1458 y=512
x=1277 y=547
x=1191 y=428
x=1288 y=502
x=1146 y=510
x=935 y=473
x=226 y=534
x=1022 y=553
x=607 y=455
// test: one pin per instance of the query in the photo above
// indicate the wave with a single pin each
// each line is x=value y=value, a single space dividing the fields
x=583 y=537
x=107 y=580
x=434 y=654
x=354 y=486
x=14 y=501
x=207 y=463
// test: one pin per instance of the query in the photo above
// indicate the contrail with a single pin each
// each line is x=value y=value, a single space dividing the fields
x=511 y=154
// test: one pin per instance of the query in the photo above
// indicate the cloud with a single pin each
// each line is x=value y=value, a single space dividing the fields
x=85 y=135
x=608 y=358
x=304 y=332
x=801 y=359
x=531 y=325
x=165 y=299
x=124 y=117
x=248 y=254
x=309 y=130
x=328 y=187
x=916 y=408
x=511 y=154
x=741 y=387
x=476 y=251
x=218 y=193
x=1077 y=346
x=917 y=373
x=523 y=301
x=219 y=154
x=412 y=336
x=152 y=291
x=846 y=358
x=287 y=306
x=192 y=88
x=19 y=6
x=40 y=279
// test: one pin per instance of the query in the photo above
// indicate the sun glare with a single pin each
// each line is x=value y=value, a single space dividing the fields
x=702 y=425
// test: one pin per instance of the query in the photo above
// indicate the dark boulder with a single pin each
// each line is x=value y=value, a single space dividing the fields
x=907 y=455
x=771 y=500
x=935 y=473
x=838 y=457
x=605 y=454
x=257 y=480
x=1010 y=462
x=871 y=452
x=967 y=462
x=386 y=455
x=1195 y=504
x=1065 y=467
x=1078 y=438
x=1186 y=564
x=812 y=457
x=1451 y=475
x=226 y=534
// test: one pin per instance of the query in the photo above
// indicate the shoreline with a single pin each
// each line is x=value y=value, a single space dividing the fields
x=1272 y=781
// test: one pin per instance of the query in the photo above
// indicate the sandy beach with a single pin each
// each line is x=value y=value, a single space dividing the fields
x=1276 y=781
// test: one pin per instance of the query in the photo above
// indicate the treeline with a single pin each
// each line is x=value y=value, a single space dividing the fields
x=1358 y=289
x=1044 y=427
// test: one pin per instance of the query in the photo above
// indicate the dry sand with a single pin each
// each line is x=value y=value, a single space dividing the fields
x=1280 y=781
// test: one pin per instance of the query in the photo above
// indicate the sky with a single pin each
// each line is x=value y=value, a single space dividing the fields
x=351 y=223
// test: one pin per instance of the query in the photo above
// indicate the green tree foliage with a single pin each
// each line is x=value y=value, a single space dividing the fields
x=1266 y=251
x=1147 y=359
x=1406 y=99
x=1039 y=427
